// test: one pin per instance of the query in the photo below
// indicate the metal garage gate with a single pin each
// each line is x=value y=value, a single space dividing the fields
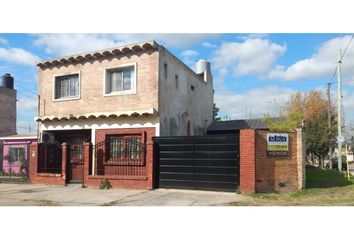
x=197 y=162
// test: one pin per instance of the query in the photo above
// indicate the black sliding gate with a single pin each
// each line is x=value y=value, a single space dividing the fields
x=197 y=162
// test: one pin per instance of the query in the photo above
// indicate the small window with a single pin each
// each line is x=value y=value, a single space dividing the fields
x=176 y=80
x=67 y=86
x=192 y=87
x=165 y=70
x=120 y=80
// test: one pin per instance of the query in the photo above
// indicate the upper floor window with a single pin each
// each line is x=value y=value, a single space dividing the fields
x=67 y=86
x=120 y=80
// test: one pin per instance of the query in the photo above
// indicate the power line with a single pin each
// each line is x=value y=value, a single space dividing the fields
x=342 y=60
x=27 y=91
x=28 y=96
x=343 y=55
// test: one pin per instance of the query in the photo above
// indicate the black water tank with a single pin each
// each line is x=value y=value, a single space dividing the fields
x=7 y=81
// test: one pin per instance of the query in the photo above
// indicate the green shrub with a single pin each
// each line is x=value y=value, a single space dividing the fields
x=105 y=184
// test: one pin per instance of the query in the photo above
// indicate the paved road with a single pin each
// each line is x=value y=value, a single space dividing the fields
x=44 y=195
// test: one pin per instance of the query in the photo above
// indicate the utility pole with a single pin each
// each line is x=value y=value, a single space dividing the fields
x=329 y=123
x=339 y=140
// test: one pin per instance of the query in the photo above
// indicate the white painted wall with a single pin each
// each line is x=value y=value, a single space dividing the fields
x=179 y=105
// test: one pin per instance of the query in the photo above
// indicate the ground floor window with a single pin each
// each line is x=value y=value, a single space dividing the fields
x=125 y=149
x=17 y=154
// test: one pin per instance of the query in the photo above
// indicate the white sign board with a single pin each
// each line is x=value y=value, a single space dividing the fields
x=277 y=144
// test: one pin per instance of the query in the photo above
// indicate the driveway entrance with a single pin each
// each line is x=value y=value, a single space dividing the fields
x=198 y=162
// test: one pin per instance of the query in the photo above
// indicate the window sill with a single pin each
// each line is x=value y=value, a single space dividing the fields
x=122 y=93
x=66 y=99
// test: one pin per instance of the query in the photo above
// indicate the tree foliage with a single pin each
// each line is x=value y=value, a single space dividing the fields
x=311 y=112
x=215 y=113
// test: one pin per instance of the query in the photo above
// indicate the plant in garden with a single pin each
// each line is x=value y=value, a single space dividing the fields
x=105 y=184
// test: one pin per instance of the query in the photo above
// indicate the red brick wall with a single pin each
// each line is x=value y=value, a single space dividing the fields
x=279 y=173
x=142 y=181
x=247 y=161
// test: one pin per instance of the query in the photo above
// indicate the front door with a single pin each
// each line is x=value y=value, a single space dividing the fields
x=76 y=162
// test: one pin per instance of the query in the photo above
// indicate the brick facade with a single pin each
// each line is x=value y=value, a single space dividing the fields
x=262 y=173
x=92 y=82
x=144 y=181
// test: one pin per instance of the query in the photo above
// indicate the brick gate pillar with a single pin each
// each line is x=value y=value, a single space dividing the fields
x=33 y=161
x=86 y=155
x=247 y=161
x=64 y=160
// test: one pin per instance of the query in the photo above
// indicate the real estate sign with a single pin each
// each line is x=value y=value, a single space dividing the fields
x=277 y=144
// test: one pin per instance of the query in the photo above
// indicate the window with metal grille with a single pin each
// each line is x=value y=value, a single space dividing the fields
x=67 y=86
x=120 y=80
x=123 y=149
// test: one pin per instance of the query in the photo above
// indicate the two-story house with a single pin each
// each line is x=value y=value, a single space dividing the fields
x=117 y=99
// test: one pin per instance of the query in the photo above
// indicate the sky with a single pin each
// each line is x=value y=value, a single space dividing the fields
x=254 y=74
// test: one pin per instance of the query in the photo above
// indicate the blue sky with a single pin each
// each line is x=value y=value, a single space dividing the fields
x=253 y=74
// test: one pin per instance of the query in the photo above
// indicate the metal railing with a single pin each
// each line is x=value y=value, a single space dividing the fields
x=119 y=156
x=49 y=158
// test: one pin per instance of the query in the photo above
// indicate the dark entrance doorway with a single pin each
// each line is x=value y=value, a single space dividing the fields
x=75 y=160
x=75 y=164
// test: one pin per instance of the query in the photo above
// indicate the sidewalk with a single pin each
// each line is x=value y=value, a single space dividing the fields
x=74 y=195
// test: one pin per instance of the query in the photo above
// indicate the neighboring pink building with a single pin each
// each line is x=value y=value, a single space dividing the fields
x=14 y=157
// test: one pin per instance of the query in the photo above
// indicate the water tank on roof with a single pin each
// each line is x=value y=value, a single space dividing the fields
x=7 y=81
x=202 y=65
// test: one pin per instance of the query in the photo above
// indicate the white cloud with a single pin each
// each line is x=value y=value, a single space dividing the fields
x=253 y=56
x=258 y=100
x=258 y=56
x=209 y=45
x=189 y=53
x=252 y=35
x=66 y=44
x=3 y=40
x=321 y=64
x=27 y=105
x=18 y=56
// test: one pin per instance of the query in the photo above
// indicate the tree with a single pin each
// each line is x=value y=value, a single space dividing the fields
x=215 y=113
x=311 y=112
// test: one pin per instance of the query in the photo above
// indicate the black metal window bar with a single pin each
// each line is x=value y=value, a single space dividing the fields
x=120 y=155
x=49 y=158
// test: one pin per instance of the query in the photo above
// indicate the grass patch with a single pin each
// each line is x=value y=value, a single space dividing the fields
x=320 y=178
x=324 y=188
